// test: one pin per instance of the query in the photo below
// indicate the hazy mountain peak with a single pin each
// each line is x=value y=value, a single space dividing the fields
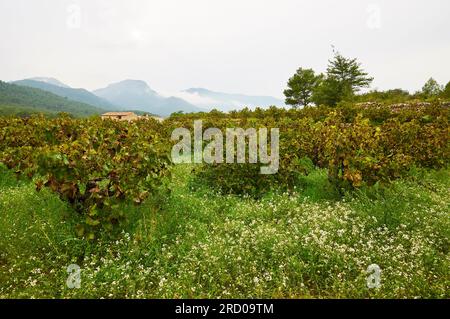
x=47 y=80
x=137 y=86
x=130 y=82
x=137 y=95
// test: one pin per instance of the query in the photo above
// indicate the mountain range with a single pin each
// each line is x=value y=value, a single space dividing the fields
x=137 y=95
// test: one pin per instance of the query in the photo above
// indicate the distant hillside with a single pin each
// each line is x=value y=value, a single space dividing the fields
x=79 y=95
x=21 y=111
x=137 y=95
x=15 y=98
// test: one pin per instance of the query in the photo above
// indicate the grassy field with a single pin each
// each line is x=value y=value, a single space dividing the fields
x=310 y=244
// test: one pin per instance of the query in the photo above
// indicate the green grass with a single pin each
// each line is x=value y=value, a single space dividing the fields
x=311 y=244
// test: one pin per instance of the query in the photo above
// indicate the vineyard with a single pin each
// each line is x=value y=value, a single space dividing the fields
x=126 y=213
x=356 y=145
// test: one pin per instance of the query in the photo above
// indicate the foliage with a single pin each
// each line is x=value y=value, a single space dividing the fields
x=331 y=91
x=431 y=88
x=389 y=96
x=301 y=87
x=344 y=78
x=92 y=163
x=359 y=145
x=348 y=72
x=446 y=91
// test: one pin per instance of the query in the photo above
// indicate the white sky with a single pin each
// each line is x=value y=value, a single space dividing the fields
x=235 y=46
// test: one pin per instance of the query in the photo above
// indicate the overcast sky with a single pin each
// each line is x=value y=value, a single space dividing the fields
x=235 y=46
